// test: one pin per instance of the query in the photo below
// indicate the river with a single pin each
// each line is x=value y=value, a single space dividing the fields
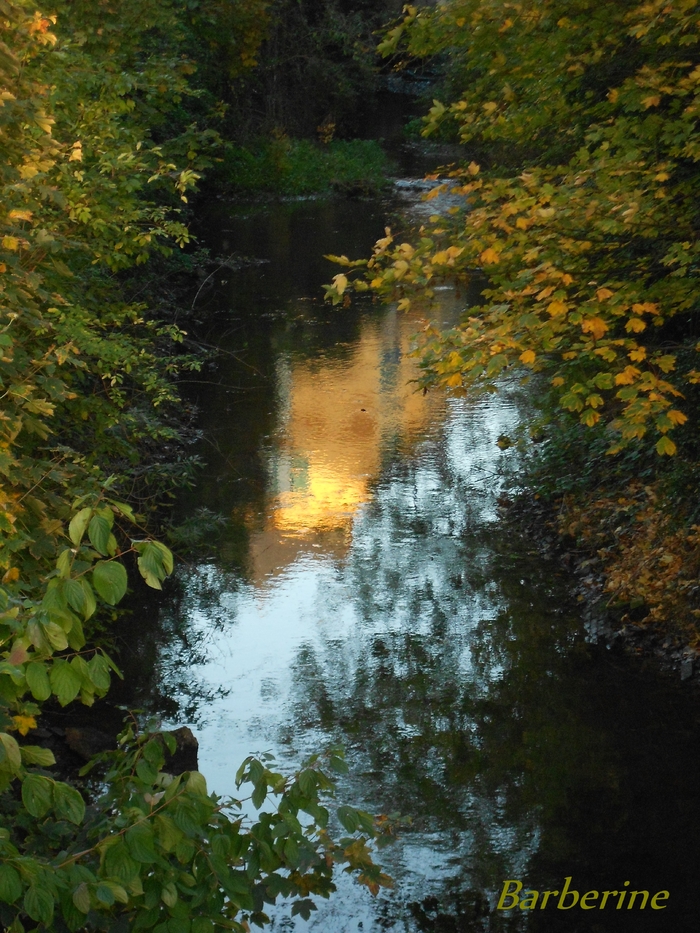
x=366 y=592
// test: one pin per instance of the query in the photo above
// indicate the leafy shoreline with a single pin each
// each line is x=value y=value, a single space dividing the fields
x=104 y=135
x=581 y=212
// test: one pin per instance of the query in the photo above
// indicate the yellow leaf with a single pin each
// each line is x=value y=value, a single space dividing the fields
x=473 y=168
x=589 y=418
x=628 y=375
x=556 y=307
x=652 y=101
x=10 y=575
x=635 y=325
x=341 y=282
x=76 y=152
x=404 y=304
x=566 y=279
x=603 y=293
x=527 y=356
x=24 y=723
x=662 y=176
x=490 y=107
x=677 y=417
x=455 y=380
x=595 y=326
x=557 y=382
x=638 y=354
x=20 y=215
x=546 y=292
x=489 y=257
x=665 y=446
x=10 y=242
x=522 y=223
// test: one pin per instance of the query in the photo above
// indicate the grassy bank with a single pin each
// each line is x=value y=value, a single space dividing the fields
x=289 y=167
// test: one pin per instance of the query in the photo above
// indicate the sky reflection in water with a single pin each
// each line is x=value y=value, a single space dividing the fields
x=379 y=603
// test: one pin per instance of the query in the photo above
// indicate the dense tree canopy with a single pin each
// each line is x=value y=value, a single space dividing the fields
x=581 y=208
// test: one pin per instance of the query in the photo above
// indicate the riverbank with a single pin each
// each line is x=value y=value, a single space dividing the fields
x=669 y=647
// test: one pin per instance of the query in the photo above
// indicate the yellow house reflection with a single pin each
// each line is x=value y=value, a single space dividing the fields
x=340 y=414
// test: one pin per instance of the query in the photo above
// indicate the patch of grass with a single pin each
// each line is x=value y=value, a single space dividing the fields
x=285 y=166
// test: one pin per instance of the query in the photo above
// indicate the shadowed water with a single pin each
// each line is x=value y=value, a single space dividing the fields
x=366 y=592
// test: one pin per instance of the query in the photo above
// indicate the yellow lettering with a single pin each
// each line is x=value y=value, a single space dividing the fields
x=529 y=902
x=633 y=895
x=567 y=893
x=545 y=898
x=584 y=897
x=662 y=895
x=513 y=895
x=606 y=895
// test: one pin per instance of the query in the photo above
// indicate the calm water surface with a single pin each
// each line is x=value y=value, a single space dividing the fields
x=365 y=592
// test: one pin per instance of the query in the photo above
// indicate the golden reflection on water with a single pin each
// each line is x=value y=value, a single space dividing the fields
x=340 y=414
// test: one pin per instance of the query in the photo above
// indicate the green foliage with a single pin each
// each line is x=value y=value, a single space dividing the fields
x=164 y=853
x=91 y=185
x=297 y=167
x=589 y=245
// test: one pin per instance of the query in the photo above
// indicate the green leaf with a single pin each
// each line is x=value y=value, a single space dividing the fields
x=197 y=784
x=308 y=783
x=104 y=894
x=168 y=833
x=146 y=773
x=39 y=904
x=259 y=794
x=65 y=681
x=78 y=524
x=155 y=562
x=139 y=839
x=349 y=818
x=38 y=680
x=68 y=803
x=76 y=636
x=98 y=670
x=124 y=509
x=10 y=756
x=119 y=864
x=36 y=755
x=64 y=563
x=80 y=596
x=118 y=892
x=81 y=898
x=291 y=852
x=169 y=894
x=56 y=636
x=202 y=925
x=100 y=529
x=37 y=794
x=10 y=884
x=338 y=764
x=109 y=579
